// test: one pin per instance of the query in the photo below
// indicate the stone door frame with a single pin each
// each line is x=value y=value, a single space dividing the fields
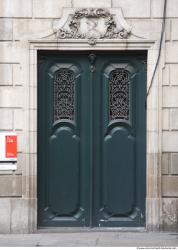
x=154 y=129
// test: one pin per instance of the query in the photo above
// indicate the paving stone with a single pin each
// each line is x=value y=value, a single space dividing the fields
x=10 y=185
x=166 y=119
x=6 y=29
x=16 y=8
x=135 y=9
x=174 y=30
x=170 y=95
x=19 y=119
x=169 y=186
x=10 y=52
x=5 y=215
x=92 y=3
x=5 y=74
x=25 y=29
x=174 y=163
x=11 y=97
x=170 y=141
x=172 y=52
x=165 y=163
x=174 y=74
x=48 y=9
x=157 y=8
x=6 y=119
x=169 y=214
x=174 y=119
x=19 y=215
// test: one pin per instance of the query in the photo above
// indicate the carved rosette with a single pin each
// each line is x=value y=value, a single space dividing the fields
x=93 y=24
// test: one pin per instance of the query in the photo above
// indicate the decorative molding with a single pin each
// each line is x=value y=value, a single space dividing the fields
x=105 y=44
x=91 y=24
x=50 y=43
x=92 y=59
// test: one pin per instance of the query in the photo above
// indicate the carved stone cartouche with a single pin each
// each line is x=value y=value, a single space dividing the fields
x=93 y=24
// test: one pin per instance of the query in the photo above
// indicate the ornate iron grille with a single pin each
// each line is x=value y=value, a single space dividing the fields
x=64 y=83
x=119 y=94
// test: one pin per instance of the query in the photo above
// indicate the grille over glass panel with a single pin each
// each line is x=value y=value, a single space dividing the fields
x=119 y=94
x=64 y=84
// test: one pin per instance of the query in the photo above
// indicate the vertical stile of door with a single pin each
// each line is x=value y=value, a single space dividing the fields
x=92 y=58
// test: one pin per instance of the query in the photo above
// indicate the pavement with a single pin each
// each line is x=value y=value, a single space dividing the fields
x=86 y=238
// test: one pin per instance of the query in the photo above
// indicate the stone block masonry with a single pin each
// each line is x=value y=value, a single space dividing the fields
x=22 y=21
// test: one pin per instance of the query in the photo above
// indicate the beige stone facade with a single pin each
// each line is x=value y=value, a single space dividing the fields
x=24 y=26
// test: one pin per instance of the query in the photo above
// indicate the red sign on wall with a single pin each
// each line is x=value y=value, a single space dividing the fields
x=11 y=146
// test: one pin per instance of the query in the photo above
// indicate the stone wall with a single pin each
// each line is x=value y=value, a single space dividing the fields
x=24 y=20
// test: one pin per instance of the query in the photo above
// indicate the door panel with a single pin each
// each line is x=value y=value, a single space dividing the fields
x=119 y=124
x=63 y=201
x=118 y=170
x=119 y=143
x=67 y=143
x=64 y=141
x=91 y=139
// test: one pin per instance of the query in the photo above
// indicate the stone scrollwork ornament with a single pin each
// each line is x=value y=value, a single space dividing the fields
x=92 y=24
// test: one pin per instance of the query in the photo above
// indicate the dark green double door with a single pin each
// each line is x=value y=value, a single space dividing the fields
x=91 y=139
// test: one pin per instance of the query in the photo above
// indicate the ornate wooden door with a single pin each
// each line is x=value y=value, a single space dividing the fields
x=91 y=139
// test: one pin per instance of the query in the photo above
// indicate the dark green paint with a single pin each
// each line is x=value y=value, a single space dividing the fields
x=91 y=172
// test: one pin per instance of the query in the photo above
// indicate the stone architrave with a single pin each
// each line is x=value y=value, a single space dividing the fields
x=92 y=24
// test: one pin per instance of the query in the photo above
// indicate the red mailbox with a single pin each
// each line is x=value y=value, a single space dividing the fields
x=11 y=146
x=8 y=147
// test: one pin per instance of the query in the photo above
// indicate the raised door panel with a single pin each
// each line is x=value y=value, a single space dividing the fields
x=119 y=142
